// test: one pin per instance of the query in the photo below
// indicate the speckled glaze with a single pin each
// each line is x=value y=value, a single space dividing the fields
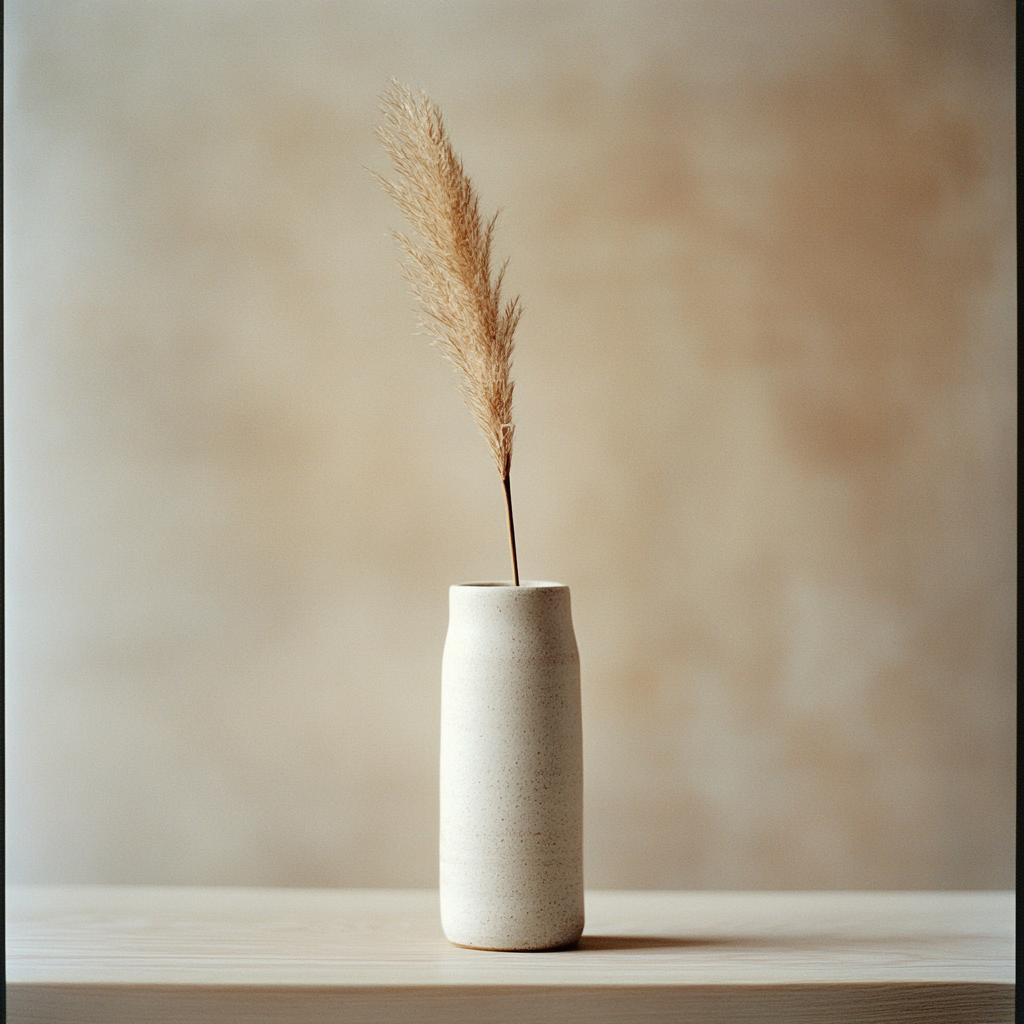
x=511 y=769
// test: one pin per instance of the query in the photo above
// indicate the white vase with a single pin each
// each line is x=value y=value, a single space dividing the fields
x=511 y=769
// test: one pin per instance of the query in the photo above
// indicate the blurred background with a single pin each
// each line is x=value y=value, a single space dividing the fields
x=766 y=407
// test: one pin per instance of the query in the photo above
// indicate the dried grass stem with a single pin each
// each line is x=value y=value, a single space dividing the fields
x=449 y=269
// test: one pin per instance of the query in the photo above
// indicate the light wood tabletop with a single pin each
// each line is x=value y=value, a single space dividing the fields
x=111 y=953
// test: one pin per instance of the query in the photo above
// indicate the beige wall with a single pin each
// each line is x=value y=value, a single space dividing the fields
x=766 y=407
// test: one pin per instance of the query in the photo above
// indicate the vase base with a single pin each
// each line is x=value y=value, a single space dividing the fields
x=519 y=949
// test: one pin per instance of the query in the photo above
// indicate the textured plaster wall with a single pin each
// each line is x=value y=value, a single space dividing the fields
x=766 y=406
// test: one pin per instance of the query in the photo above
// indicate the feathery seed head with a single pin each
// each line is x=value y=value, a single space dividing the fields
x=449 y=267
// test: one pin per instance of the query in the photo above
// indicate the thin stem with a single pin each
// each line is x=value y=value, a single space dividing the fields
x=511 y=528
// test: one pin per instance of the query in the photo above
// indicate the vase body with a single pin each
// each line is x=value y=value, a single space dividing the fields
x=511 y=769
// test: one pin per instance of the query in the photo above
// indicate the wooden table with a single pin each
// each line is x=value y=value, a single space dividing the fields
x=132 y=954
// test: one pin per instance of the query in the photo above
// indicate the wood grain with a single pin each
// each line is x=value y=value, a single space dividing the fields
x=95 y=953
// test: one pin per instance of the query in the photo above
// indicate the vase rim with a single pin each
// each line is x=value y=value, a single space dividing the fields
x=508 y=584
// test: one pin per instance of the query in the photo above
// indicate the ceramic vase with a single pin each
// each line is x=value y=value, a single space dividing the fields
x=511 y=769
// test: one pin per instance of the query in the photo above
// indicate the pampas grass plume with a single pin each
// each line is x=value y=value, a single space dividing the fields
x=449 y=268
